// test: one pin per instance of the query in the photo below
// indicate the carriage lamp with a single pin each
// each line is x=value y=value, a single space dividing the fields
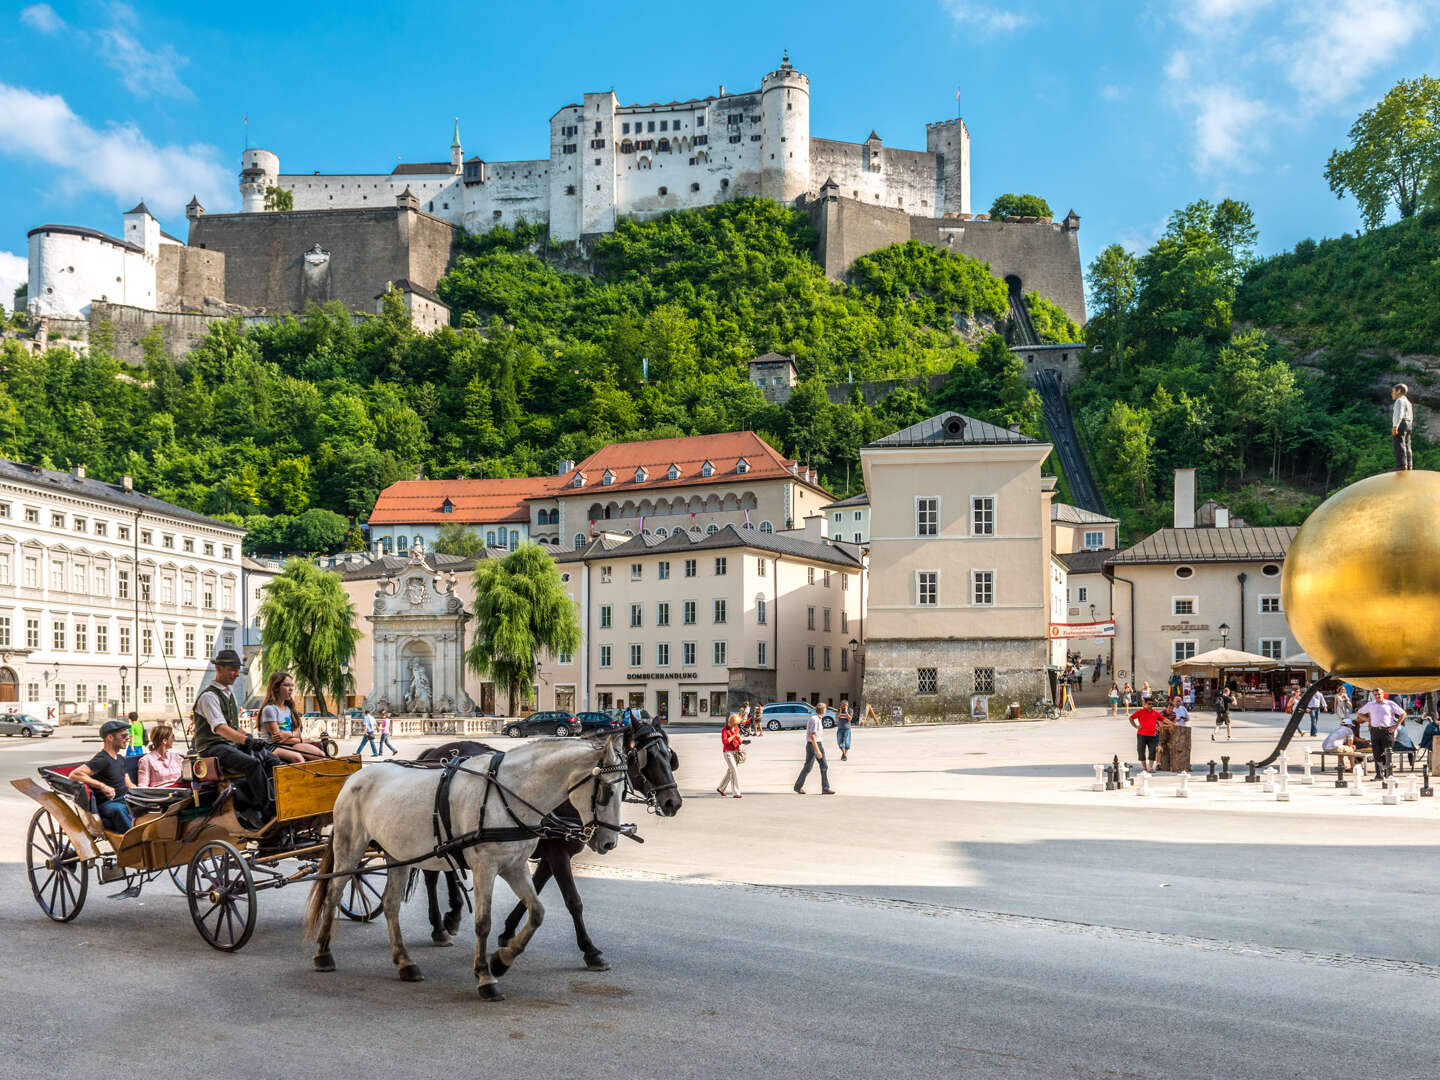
x=1224 y=629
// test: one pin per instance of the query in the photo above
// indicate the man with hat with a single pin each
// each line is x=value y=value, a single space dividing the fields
x=1342 y=742
x=217 y=734
x=105 y=774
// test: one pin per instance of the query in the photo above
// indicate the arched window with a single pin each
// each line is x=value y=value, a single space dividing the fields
x=766 y=527
x=579 y=541
x=400 y=544
x=489 y=537
x=712 y=528
x=660 y=532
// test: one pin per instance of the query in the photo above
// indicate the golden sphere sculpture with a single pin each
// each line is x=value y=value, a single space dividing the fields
x=1361 y=586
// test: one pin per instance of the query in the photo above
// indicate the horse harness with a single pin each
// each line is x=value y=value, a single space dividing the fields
x=644 y=745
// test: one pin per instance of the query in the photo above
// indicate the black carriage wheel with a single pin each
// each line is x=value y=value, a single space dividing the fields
x=58 y=877
x=360 y=900
x=221 y=894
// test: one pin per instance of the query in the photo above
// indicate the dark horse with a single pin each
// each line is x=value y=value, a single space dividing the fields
x=650 y=765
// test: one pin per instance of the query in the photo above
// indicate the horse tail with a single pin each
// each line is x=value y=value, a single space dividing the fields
x=315 y=905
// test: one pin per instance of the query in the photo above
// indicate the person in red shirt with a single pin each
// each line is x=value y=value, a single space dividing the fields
x=730 y=743
x=1146 y=722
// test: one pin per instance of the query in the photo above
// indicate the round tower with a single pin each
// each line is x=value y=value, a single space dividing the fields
x=259 y=169
x=785 y=105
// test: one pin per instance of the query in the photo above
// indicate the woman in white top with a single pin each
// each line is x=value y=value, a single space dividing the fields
x=280 y=721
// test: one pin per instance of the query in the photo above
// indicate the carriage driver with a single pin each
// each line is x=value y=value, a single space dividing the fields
x=218 y=735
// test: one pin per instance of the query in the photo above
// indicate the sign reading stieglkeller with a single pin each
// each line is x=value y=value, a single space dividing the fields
x=641 y=677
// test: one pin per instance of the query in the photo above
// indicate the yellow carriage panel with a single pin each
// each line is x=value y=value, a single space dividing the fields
x=308 y=788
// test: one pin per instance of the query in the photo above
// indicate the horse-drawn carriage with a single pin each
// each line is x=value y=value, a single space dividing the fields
x=190 y=834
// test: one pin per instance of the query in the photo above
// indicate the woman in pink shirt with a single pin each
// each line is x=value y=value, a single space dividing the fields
x=161 y=766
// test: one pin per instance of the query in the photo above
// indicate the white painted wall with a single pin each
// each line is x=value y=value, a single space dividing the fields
x=67 y=272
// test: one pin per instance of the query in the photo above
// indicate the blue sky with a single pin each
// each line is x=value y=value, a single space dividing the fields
x=1121 y=111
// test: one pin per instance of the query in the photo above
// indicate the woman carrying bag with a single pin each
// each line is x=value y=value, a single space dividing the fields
x=730 y=747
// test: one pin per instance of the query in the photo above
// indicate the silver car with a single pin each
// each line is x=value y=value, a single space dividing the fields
x=779 y=715
x=20 y=724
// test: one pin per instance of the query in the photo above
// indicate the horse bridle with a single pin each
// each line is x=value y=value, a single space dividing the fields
x=601 y=792
x=644 y=738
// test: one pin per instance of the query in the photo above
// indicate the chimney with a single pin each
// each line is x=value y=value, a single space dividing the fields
x=1184 y=498
x=817 y=529
x=79 y=472
x=127 y=483
x=565 y=466
x=1222 y=517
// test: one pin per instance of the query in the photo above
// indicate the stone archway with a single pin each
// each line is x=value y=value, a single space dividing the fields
x=1016 y=286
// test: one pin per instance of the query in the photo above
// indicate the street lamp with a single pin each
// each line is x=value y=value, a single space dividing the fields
x=1224 y=629
x=124 y=671
x=344 y=686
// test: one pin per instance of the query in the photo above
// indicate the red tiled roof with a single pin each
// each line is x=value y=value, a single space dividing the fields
x=474 y=501
x=689 y=453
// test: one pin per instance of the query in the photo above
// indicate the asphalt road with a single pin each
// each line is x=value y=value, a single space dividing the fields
x=855 y=936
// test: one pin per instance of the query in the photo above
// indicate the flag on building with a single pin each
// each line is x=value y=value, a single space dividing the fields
x=747 y=519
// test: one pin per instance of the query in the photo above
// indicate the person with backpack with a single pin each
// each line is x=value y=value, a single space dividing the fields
x=1222 y=712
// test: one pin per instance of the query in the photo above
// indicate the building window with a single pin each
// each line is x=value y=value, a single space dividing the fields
x=810 y=575
x=32 y=573
x=1184 y=571
x=167 y=540
x=190 y=645
x=4 y=631
x=720 y=653
x=605 y=616
x=927 y=587
x=604 y=655
x=82 y=637
x=827 y=579
x=209 y=548
x=102 y=637
x=825 y=659
x=662 y=654
x=927 y=516
x=662 y=613
x=604 y=575
x=663 y=568
x=579 y=541
x=690 y=567
x=57 y=632
x=925 y=681
x=1272 y=648
x=1269 y=605
x=720 y=565
x=32 y=516
x=810 y=657
x=636 y=655
x=1094 y=540
x=844 y=619
x=688 y=613
x=687 y=653
x=1082 y=594
x=124 y=641
x=147 y=694
x=57 y=520
x=825 y=620
x=762 y=653
x=810 y=618
x=984 y=680
x=32 y=633
x=168 y=642
x=720 y=611
x=1182 y=605
x=637 y=571
x=189 y=544
x=767 y=527
x=982 y=515
x=759 y=567
x=566 y=657
x=761 y=613
x=982 y=587
x=637 y=617
x=1181 y=650
x=145 y=581
x=844 y=659
x=32 y=691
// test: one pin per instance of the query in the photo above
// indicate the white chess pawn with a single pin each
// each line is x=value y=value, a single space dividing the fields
x=1412 y=790
x=1357 y=780
x=1282 y=785
x=1267 y=781
x=1099 y=784
x=1142 y=784
x=1308 y=777
x=1183 y=791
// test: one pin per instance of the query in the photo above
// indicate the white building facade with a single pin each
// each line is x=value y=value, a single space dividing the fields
x=70 y=267
x=606 y=159
x=110 y=600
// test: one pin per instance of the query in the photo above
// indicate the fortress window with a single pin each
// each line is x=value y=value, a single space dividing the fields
x=735 y=118
x=699 y=121
x=754 y=138
x=664 y=191
x=624 y=129
x=597 y=127
x=664 y=125
x=725 y=182
x=495 y=214
x=788 y=106
x=569 y=189
x=568 y=148
x=694 y=187
x=701 y=140
x=652 y=126
x=754 y=119
x=692 y=162
x=597 y=161
x=734 y=138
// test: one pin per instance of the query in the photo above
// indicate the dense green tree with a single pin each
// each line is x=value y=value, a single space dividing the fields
x=521 y=608
x=457 y=538
x=317 y=532
x=1394 y=151
x=308 y=627
x=1011 y=205
x=278 y=198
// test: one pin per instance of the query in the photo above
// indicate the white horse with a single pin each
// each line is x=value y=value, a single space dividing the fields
x=395 y=807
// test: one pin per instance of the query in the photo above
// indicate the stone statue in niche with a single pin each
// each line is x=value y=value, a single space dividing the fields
x=418 y=700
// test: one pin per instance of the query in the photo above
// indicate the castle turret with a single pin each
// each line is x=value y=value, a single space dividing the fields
x=193 y=210
x=785 y=104
x=456 y=158
x=259 y=170
x=142 y=230
x=949 y=141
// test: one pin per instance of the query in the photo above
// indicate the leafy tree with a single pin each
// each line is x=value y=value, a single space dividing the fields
x=1124 y=447
x=318 y=531
x=457 y=538
x=1011 y=205
x=1394 y=151
x=521 y=607
x=308 y=628
x=278 y=198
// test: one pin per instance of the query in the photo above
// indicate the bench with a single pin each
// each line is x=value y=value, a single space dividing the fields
x=1416 y=757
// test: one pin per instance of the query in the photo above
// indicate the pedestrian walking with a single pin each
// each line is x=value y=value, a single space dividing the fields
x=1145 y=694
x=730 y=749
x=1340 y=702
x=843 y=720
x=814 y=752
x=367 y=729
x=1384 y=716
x=1402 y=419
x=384 y=728
x=1315 y=708
x=137 y=737
x=1146 y=722
x=1222 y=713
x=1114 y=699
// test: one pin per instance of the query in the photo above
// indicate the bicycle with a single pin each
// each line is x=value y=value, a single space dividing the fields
x=1047 y=709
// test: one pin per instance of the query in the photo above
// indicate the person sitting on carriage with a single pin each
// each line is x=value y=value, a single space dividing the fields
x=217 y=734
x=105 y=773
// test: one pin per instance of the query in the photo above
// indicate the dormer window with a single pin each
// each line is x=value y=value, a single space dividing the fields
x=608 y=478
x=641 y=475
x=579 y=480
x=447 y=507
x=742 y=466
x=673 y=473
x=707 y=469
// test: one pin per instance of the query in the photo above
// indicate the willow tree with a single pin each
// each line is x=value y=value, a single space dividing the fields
x=308 y=629
x=521 y=607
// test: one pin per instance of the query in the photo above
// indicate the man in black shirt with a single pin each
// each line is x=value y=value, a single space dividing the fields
x=105 y=773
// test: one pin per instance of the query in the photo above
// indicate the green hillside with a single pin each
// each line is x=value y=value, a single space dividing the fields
x=293 y=428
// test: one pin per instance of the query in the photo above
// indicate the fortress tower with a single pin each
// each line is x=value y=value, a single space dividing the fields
x=785 y=106
x=259 y=169
x=949 y=141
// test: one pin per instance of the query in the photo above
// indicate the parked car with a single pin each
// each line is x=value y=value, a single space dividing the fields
x=544 y=723
x=600 y=720
x=778 y=715
x=27 y=726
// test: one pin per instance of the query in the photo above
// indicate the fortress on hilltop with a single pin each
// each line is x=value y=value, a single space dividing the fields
x=351 y=237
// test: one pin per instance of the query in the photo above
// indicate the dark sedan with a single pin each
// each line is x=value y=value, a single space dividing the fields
x=603 y=721
x=543 y=723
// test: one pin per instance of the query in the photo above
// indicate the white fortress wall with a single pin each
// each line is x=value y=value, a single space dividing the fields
x=877 y=175
x=512 y=191
x=69 y=268
x=361 y=190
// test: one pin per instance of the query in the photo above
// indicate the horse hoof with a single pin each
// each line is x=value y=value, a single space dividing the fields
x=498 y=967
x=597 y=963
x=491 y=992
x=411 y=973
x=324 y=962
x=440 y=939
x=452 y=923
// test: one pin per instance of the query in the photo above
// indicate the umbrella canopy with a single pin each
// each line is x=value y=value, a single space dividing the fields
x=1299 y=661
x=1224 y=659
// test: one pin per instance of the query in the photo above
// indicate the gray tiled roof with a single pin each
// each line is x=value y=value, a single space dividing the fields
x=389 y=565
x=729 y=536
x=863 y=499
x=932 y=432
x=70 y=484
x=1087 y=562
x=1078 y=515
x=1245 y=544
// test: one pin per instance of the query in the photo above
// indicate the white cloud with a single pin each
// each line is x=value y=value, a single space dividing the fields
x=1229 y=129
x=985 y=18
x=42 y=17
x=118 y=160
x=14 y=270
x=1337 y=48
